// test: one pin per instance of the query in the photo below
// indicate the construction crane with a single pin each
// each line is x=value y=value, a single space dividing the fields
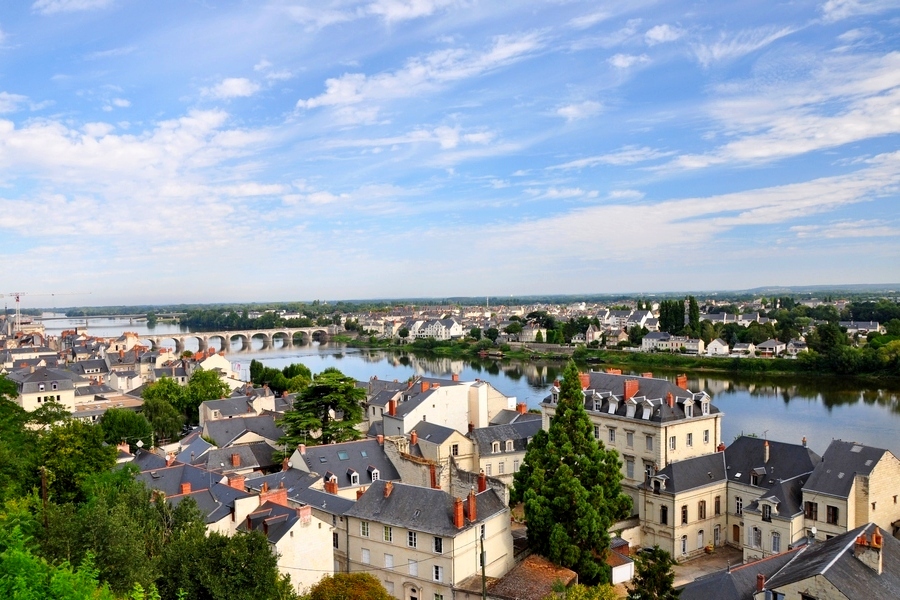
x=18 y=296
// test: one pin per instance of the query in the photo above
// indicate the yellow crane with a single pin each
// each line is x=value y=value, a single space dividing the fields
x=18 y=296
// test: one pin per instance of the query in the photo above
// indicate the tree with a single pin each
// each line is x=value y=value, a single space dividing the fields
x=330 y=392
x=513 y=328
x=475 y=333
x=653 y=576
x=18 y=446
x=492 y=333
x=571 y=488
x=120 y=425
x=71 y=452
x=403 y=333
x=693 y=316
x=348 y=586
x=604 y=591
x=164 y=419
x=538 y=338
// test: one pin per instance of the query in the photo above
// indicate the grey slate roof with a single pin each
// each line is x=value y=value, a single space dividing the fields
x=432 y=432
x=507 y=416
x=224 y=431
x=256 y=456
x=272 y=519
x=841 y=462
x=421 y=509
x=692 y=473
x=358 y=456
x=229 y=407
x=786 y=461
x=738 y=583
x=194 y=450
x=519 y=433
x=298 y=484
x=835 y=561
x=28 y=381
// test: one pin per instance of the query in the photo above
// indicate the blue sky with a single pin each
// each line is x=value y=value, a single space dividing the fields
x=188 y=151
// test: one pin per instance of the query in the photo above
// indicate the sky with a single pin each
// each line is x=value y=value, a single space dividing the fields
x=230 y=151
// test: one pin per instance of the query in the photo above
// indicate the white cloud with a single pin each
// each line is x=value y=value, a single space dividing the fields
x=10 y=102
x=404 y=10
x=49 y=7
x=837 y=10
x=589 y=20
x=423 y=74
x=626 y=61
x=270 y=73
x=863 y=228
x=121 y=102
x=580 y=110
x=627 y=155
x=319 y=18
x=233 y=87
x=731 y=46
x=661 y=34
x=446 y=137
x=101 y=54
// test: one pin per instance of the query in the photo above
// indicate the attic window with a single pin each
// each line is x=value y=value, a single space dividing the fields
x=342 y=455
x=856 y=449
x=869 y=463
x=322 y=459
x=840 y=475
x=363 y=453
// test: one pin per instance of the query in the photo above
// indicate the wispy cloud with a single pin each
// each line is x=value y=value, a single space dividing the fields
x=730 y=46
x=579 y=110
x=626 y=61
x=11 y=102
x=589 y=20
x=628 y=155
x=49 y=7
x=446 y=137
x=837 y=10
x=404 y=10
x=233 y=87
x=111 y=53
x=862 y=228
x=661 y=34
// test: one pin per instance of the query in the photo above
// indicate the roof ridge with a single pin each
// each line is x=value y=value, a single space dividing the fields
x=765 y=558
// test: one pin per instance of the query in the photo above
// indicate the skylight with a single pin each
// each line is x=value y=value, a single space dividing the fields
x=342 y=455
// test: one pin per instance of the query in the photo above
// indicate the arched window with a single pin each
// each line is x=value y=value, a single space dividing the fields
x=495 y=447
x=684 y=514
x=776 y=542
x=684 y=544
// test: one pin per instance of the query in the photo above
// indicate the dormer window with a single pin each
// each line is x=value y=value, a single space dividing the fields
x=54 y=386
x=40 y=387
x=688 y=410
x=766 y=512
x=374 y=474
x=509 y=445
x=495 y=447
x=704 y=408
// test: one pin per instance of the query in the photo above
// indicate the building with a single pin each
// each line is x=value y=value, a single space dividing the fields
x=500 y=449
x=37 y=386
x=346 y=467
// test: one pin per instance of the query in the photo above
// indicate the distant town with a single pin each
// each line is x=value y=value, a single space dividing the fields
x=415 y=481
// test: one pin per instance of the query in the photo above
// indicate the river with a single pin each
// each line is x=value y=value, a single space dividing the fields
x=780 y=408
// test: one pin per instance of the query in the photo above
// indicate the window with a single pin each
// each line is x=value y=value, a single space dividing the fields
x=364 y=528
x=706 y=436
x=354 y=478
x=516 y=465
x=700 y=543
x=364 y=556
x=684 y=544
x=438 y=573
x=690 y=439
x=663 y=515
x=612 y=436
x=438 y=596
x=411 y=539
x=755 y=537
x=501 y=468
x=438 y=545
x=375 y=475
x=509 y=445
x=487 y=469
x=495 y=447
x=388 y=534
x=831 y=514
x=629 y=468
x=739 y=505
x=776 y=542
x=389 y=586
x=767 y=513
x=596 y=432
x=649 y=441
x=414 y=568
x=388 y=561
x=672 y=443
x=704 y=408
x=684 y=514
x=454 y=450
x=811 y=510
x=689 y=410
x=40 y=387
x=629 y=439
x=701 y=509
x=717 y=505
x=334 y=539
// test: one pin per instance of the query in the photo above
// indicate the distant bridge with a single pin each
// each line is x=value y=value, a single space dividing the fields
x=289 y=335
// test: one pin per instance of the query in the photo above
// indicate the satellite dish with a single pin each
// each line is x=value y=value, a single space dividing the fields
x=140 y=444
x=814 y=531
x=290 y=465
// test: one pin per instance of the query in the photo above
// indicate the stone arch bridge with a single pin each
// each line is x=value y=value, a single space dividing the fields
x=289 y=335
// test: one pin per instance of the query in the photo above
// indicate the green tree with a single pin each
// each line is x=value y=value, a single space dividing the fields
x=403 y=333
x=571 y=488
x=167 y=389
x=492 y=333
x=18 y=446
x=653 y=576
x=693 y=316
x=604 y=591
x=475 y=333
x=636 y=335
x=120 y=425
x=348 y=586
x=165 y=420
x=513 y=328
x=202 y=386
x=330 y=392
x=71 y=452
x=538 y=338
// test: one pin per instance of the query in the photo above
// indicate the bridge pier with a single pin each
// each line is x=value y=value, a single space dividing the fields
x=202 y=343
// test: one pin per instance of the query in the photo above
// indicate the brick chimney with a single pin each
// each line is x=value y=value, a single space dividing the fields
x=521 y=408
x=425 y=386
x=720 y=447
x=236 y=482
x=454 y=377
x=185 y=488
x=432 y=470
x=648 y=375
x=413 y=438
x=360 y=492
x=459 y=520
x=670 y=400
x=804 y=441
x=472 y=508
x=766 y=451
x=276 y=496
x=380 y=439
x=585 y=380
x=284 y=464
x=631 y=388
x=392 y=408
x=869 y=552
x=388 y=488
x=681 y=381
x=482 y=482
x=235 y=459
x=760 y=582
x=331 y=486
x=614 y=371
x=302 y=449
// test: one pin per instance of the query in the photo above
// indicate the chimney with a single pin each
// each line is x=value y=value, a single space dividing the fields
x=392 y=408
x=482 y=482
x=720 y=447
x=236 y=482
x=302 y=449
x=459 y=520
x=455 y=377
x=760 y=582
x=432 y=469
x=413 y=438
x=235 y=459
x=472 y=509
x=124 y=447
x=804 y=441
x=614 y=371
x=521 y=408
x=360 y=492
x=766 y=451
x=556 y=383
x=681 y=381
x=331 y=486
x=631 y=388
x=170 y=458
x=585 y=380
x=471 y=427
x=121 y=354
x=670 y=400
x=276 y=496
x=380 y=439
x=426 y=386
x=284 y=464
x=869 y=553
x=388 y=488
x=185 y=488
x=648 y=375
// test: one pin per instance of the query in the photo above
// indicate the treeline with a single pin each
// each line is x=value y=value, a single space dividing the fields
x=232 y=320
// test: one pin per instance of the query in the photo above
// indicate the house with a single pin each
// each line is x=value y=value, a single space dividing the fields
x=37 y=386
x=738 y=582
x=500 y=449
x=346 y=467
x=655 y=340
x=530 y=332
x=862 y=328
x=860 y=564
x=438 y=444
x=795 y=347
x=243 y=430
x=771 y=348
x=717 y=347
x=853 y=485
x=743 y=349
x=651 y=422
x=245 y=401
x=423 y=543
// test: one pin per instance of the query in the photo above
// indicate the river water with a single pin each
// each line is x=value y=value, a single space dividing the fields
x=780 y=408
